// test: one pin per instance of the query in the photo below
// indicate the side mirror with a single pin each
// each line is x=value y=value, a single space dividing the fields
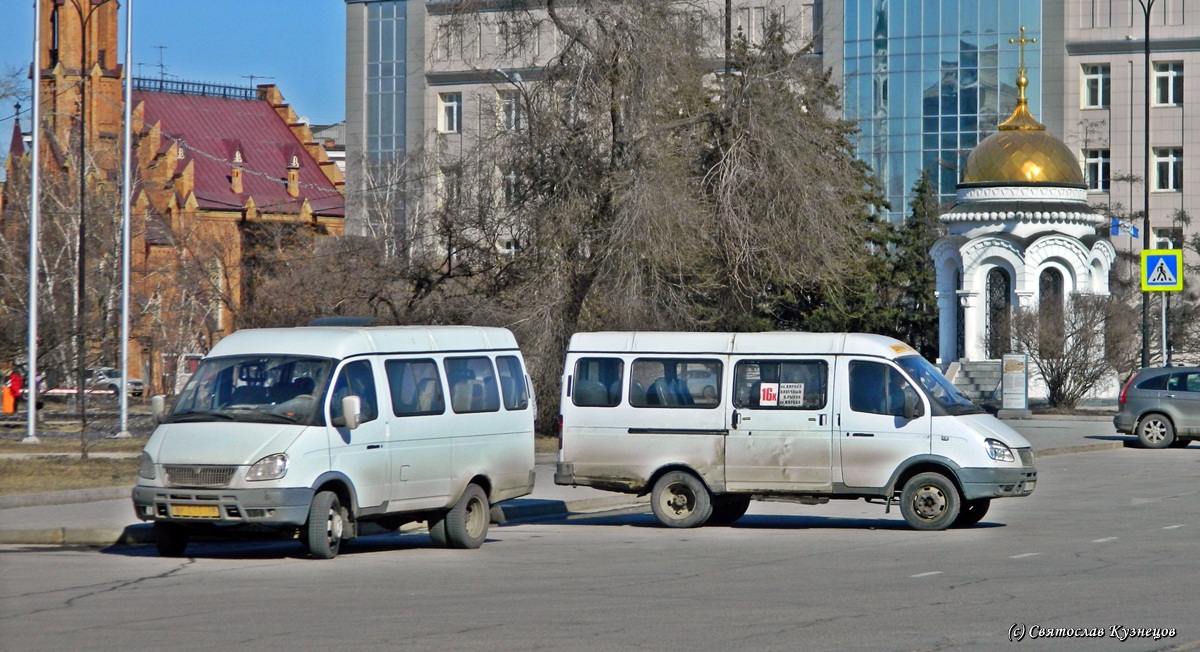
x=351 y=406
x=913 y=407
x=158 y=407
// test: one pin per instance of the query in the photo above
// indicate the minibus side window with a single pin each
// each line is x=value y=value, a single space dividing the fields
x=472 y=385
x=781 y=384
x=512 y=382
x=598 y=382
x=877 y=388
x=356 y=379
x=415 y=386
x=675 y=383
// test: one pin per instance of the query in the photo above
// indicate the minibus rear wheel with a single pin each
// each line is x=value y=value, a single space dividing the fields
x=467 y=522
x=437 y=531
x=679 y=499
x=727 y=509
x=929 y=501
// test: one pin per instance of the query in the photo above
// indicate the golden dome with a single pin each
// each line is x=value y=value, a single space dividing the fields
x=1022 y=151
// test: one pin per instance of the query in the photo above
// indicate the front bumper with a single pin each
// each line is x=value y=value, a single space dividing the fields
x=276 y=507
x=997 y=483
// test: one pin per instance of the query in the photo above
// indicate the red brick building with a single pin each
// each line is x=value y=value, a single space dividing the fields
x=224 y=177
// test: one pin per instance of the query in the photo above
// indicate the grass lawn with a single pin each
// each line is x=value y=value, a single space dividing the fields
x=46 y=474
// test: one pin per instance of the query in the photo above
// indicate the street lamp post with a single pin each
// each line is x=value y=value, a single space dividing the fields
x=1147 y=6
x=81 y=236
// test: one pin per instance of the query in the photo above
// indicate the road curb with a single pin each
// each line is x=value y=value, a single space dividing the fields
x=1083 y=448
x=65 y=497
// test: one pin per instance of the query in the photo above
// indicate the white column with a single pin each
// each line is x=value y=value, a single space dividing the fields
x=947 y=326
x=972 y=326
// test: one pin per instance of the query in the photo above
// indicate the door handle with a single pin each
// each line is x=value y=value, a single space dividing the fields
x=735 y=419
x=862 y=434
x=374 y=446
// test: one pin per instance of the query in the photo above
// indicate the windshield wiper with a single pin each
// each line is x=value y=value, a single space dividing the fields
x=198 y=415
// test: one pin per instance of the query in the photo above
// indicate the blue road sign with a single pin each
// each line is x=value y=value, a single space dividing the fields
x=1162 y=270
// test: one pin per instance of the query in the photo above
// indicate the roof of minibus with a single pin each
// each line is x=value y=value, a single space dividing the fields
x=777 y=342
x=340 y=341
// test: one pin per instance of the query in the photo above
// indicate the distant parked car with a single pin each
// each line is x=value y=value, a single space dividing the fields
x=107 y=378
x=1161 y=405
x=702 y=384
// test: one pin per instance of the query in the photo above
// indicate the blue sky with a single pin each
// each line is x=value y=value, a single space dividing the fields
x=300 y=43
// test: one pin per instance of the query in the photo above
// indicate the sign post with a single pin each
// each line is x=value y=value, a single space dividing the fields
x=1014 y=403
x=1162 y=271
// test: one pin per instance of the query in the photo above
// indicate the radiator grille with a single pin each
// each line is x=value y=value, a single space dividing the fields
x=199 y=476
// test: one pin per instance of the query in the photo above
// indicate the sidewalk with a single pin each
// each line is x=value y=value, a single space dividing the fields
x=103 y=517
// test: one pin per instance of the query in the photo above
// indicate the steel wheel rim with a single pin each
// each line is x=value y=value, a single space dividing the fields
x=929 y=502
x=475 y=518
x=677 y=501
x=333 y=526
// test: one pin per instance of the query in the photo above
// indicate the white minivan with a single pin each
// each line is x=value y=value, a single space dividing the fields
x=705 y=422
x=319 y=430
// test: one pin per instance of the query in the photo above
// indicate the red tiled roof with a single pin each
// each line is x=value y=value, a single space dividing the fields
x=212 y=128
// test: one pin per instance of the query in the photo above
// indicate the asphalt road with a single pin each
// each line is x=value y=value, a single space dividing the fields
x=1107 y=541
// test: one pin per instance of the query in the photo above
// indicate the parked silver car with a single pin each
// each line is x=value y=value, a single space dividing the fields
x=1161 y=405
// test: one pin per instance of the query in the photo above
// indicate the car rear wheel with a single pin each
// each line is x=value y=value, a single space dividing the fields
x=679 y=499
x=1155 y=431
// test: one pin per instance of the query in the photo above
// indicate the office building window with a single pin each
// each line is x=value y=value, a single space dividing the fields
x=1168 y=83
x=1096 y=86
x=450 y=107
x=450 y=185
x=1097 y=163
x=509 y=110
x=1168 y=238
x=1168 y=168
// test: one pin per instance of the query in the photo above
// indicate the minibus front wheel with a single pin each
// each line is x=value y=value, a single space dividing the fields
x=680 y=499
x=929 y=501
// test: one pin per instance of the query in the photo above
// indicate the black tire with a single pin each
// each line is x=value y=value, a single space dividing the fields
x=727 y=509
x=171 y=539
x=437 y=532
x=972 y=512
x=467 y=522
x=326 y=524
x=1155 y=431
x=929 y=501
x=679 y=499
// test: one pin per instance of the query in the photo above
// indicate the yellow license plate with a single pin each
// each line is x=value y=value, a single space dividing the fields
x=196 y=511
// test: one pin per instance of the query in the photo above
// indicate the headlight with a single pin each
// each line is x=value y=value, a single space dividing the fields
x=998 y=451
x=271 y=467
x=146 y=467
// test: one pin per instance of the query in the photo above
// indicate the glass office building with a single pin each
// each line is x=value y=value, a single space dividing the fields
x=926 y=80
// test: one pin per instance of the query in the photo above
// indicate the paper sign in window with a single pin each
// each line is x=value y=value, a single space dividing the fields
x=791 y=394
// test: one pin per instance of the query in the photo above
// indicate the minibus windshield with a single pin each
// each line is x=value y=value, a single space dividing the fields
x=260 y=389
x=939 y=390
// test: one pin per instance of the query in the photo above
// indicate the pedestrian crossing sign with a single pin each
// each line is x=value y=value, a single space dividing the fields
x=1162 y=270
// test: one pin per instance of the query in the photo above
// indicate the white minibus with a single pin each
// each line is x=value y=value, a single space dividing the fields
x=320 y=430
x=706 y=422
